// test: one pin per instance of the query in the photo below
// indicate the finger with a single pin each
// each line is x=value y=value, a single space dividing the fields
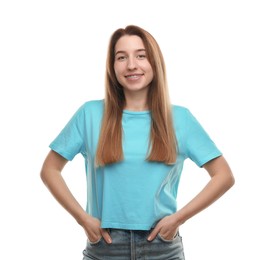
x=93 y=237
x=153 y=234
x=106 y=236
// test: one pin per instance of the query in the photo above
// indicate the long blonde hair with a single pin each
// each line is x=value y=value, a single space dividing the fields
x=163 y=144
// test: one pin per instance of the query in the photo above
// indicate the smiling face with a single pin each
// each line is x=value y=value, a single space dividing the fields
x=132 y=68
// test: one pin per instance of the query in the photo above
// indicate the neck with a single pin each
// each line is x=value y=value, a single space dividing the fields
x=136 y=102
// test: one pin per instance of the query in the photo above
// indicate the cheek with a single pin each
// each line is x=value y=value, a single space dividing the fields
x=151 y=73
x=116 y=73
x=117 y=70
x=149 y=69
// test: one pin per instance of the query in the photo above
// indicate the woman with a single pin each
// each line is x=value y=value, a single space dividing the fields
x=134 y=143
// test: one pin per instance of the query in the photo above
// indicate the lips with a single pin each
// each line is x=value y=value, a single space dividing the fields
x=134 y=76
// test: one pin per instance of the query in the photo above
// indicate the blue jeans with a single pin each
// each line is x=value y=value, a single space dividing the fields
x=133 y=244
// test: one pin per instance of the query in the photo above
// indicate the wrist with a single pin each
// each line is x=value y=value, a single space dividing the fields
x=82 y=218
x=180 y=218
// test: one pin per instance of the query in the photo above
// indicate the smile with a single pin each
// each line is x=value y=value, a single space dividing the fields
x=134 y=76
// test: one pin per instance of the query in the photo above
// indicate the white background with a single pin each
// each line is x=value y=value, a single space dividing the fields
x=220 y=64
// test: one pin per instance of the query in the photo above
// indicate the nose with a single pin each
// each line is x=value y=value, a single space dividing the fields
x=131 y=64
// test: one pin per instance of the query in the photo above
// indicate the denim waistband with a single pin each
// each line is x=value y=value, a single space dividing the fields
x=133 y=244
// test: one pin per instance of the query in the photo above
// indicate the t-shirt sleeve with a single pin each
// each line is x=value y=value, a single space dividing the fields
x=199 y=147
x=70 y=141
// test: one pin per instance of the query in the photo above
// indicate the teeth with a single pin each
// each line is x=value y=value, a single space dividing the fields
x=132 y=76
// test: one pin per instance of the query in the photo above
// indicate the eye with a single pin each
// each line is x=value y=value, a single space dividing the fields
x=141 y=56
x=121 y=57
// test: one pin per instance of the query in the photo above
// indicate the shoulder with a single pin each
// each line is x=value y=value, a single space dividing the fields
x=179 y=111
x=94 y=104
x=90 y=108
x=182 y=116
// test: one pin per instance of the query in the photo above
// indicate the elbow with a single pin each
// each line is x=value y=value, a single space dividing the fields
x=43 y=176
x=230 y=181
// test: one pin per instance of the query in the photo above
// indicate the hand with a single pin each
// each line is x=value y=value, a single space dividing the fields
x=94 y=232
x=167 y=227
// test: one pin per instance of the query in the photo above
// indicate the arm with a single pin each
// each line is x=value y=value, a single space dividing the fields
x=221 y=181
x=52 y=178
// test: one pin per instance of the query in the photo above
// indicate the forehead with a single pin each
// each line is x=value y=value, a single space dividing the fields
x=129 y=43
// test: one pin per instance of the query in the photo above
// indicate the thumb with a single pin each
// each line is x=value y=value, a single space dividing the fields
x=153 y=234
x=106 y=236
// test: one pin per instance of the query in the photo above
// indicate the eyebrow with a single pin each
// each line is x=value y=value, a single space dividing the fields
x=125 y=51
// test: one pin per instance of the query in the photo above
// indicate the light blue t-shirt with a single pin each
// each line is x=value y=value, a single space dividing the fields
x=134 y=193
